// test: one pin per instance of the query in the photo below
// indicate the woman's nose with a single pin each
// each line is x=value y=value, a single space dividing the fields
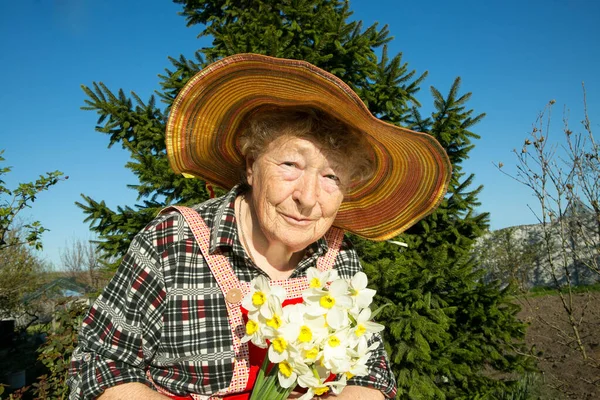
x=307 y=190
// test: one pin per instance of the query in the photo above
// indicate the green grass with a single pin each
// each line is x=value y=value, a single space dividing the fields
x=545 y=291
x=528 y=387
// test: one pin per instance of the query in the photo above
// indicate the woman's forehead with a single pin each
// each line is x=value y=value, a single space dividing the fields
x=288 y=145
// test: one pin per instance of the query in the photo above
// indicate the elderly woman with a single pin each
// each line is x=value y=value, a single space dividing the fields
x=305 y=161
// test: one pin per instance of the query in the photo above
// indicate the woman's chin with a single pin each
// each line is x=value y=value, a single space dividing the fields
x=296 y=237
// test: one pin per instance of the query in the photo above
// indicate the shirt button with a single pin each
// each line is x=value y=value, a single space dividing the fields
x=233 y=296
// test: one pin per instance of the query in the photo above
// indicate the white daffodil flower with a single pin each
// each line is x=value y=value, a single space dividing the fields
x=293 y=371
x=336 y=301
x=301 y=328
x=306 y=377
x=255 y=333
x=335 y=353
x=313 y=330
x=324 y=387
x=310 y=354
x=286 y=374
x=260 y=329
x=272 y=325
x=364 y=326
x=318 y=279
x=280 y=350
x=359 y=358
x=315 y=391
x=337 y=318
x=337 y=386
x=361 y=295
x=262 y=297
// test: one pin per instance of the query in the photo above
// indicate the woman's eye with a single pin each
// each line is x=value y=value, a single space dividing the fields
x=332 y=177
x=289 y=164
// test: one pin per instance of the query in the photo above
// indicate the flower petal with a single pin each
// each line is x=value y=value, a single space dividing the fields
x=359 y=281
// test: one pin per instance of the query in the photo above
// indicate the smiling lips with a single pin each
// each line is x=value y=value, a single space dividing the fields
x=298 y=220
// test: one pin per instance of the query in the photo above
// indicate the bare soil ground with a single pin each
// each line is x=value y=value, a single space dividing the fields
x=565 y=373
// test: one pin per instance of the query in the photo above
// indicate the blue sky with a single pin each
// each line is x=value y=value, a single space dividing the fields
x=514 y=56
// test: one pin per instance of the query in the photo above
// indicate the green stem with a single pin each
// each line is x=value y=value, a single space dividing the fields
x=284 y=393
x=266 y=382
x=259 y=383
x=267 y=390
x=267 y=385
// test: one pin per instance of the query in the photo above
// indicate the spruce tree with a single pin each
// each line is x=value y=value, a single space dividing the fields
x=445 y=327
x=449 y=334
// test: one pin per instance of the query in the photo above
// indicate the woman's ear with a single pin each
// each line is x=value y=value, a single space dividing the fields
x=249 y=170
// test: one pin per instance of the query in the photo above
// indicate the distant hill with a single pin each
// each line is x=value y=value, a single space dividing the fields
x=564 y=249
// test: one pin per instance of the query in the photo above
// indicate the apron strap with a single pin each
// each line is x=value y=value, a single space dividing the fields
x=233 y=292
x=334 y=238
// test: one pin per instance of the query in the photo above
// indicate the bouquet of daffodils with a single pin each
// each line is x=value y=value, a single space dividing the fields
x=324 y=336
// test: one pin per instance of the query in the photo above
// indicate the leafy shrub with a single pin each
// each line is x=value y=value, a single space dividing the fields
x=56 y=351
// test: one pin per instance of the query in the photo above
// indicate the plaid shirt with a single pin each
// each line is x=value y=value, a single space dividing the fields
x=163 y=312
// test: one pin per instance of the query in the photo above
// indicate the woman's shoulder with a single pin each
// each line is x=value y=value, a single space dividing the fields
x=170 y=225
x=347 y=262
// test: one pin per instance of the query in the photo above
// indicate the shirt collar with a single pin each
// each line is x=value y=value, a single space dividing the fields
x=224 y=232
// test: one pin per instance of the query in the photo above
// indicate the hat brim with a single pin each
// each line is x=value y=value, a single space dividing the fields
x=412 y=169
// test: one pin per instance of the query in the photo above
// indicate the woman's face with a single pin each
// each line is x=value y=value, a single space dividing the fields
x=297 y=190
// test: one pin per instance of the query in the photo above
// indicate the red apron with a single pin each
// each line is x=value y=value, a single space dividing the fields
x=248 y=358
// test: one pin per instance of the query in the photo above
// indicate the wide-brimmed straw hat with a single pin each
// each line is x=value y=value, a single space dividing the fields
x=412 y=170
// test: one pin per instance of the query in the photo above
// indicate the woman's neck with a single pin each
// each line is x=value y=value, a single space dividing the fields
x=274 y=258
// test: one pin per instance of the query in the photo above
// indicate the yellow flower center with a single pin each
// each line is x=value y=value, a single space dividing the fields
x=312 y=353
x=327 y=301
x=251 y=327
x=349 y=375
x=353 y=292
x=258 y=298
x=321 y=390
x=285 y=368
x=333 y=341
x=315 y=283
x=274 y=322
x=305 y=334
x=360 y=330
x=279 y=344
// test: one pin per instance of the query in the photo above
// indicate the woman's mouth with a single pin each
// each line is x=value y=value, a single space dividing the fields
x=302 y=221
